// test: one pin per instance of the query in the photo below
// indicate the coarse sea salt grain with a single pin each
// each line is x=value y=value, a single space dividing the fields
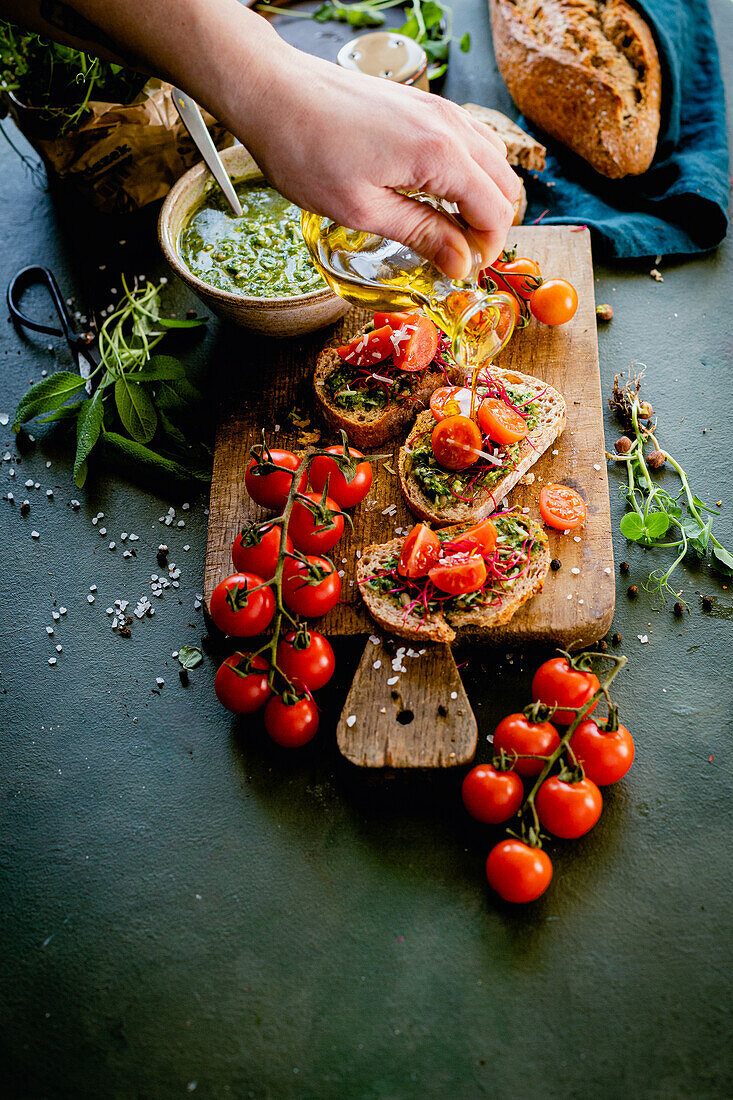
x=159 y=681
x=35 y=534
x=643 y=638
x=377 y=664
x=49 y=630
x=59 y=648
x=374 y=639
x=351 y=720
x=392 y=680
x=596 y=466
x=52 y=660
x=55 y=616
x=575 y=570
x=90 y=599
x=576 y=538
x=454 y=695
x=62 y=611
x=607 y=570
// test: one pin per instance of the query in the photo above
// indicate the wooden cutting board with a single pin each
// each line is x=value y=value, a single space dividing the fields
x=408 y=708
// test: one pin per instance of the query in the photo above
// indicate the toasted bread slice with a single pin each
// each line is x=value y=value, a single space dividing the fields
x=550 y=424
x=453 y=625
x=369 y=428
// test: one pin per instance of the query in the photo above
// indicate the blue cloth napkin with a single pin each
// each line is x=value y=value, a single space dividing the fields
x=679 y=204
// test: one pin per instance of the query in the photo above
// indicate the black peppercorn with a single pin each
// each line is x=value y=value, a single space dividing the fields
x=707 y=603
x=633 y=591
x=162 y=558
x=25 y=508
x=183 y=675
x=624 y=567
x=555 y=564
x=679 y=609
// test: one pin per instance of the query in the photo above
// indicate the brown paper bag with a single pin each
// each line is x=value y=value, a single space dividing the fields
x=121 y=157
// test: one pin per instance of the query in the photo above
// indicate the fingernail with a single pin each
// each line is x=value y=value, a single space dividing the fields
x=454 y=263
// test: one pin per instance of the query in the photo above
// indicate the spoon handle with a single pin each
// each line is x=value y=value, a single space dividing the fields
x=193 y=121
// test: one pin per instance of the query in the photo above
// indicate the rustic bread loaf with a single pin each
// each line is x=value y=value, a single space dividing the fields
x=587 y=72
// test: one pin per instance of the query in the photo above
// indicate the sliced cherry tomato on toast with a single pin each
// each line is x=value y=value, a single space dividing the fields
x=450 y=401
x=459 y=574
x=420 y=551
x=501 y=422
x=455 y=440
x=394 y=320
x=562 y=507
x=368 y=348
x=415 y=344
x=483 y=536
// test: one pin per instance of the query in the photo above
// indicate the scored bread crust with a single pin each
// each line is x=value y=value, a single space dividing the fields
x=368 y=428
x=587 y=72
x=478 y=623
x=550 y=424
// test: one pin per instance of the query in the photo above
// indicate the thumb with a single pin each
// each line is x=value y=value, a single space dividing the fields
x=419 y=226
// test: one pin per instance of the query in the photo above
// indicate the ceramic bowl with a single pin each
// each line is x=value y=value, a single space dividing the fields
x=270 y=316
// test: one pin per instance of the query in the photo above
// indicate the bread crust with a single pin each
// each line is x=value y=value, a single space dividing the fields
x=587 y=72
x=455 y=626
x=522 y=150
x=550 y=424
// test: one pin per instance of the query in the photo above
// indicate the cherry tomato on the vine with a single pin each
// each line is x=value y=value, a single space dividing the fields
x=500 y=422
x=313 y=663
x=256 y=551
x=521 y=274
x=347 y=494
x=556 y=683
x=518 y=734
x=307 y=595
x=517 y=872
x=270 y=489
x=245 y=690
x=554 y=302
x=492 y=796
x=606 y=756
x=420 y=551
x=315 y=533
x=291 y=723
x=568 y=810
x=238 y=610
x=561 y=507
x=459 y=573
x=455 y=440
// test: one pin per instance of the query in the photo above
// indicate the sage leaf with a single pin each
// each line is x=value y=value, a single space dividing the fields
x=136 y=409
x=131 y=451
x=88 y=429
x=159 y=368
x=47 y=395
x=180 y=322
x=189 y=656
x=177 y=393
x=632 y=526
x=722 y=561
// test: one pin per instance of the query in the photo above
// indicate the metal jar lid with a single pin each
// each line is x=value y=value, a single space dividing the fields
x=389 y=55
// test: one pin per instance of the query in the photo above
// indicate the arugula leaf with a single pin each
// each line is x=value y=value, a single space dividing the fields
x=136 y=409
x=46 y=396
x=88 y=429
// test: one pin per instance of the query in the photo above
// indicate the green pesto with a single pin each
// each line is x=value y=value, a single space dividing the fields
x=260 y=254
x=341 y=392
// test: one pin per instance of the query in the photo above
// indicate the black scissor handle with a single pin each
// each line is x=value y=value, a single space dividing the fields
x=34 y=276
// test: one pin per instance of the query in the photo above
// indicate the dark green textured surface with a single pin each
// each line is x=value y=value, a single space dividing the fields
x=187 y=908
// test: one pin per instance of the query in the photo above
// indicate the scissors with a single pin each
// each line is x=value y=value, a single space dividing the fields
x=80 y=345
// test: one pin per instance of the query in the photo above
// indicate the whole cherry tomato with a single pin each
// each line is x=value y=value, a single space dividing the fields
x=270 y=487
x=492 y=796
x=568 y=810
x=606 y=757
x=517 y=872
x=455 y=440
x=561 y=507
x=554 y=302
x=482 y=535
x=317 y=531
x=518 y=734
x=420 y=551
x=239 y=611
x=291 y=722
x=556 y=683
x=450 y=401
x=521 y=275
x=347 y=494
x=311 y=592
x=256 y=550
x=241 y=683
x=459 y=573
x=306 y=658
x=500 y=422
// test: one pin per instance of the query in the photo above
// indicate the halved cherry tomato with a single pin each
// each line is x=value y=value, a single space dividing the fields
x=606 y=756
x=561 y=507
x=241 y=683
x=517 y=872
x=308 y=659
x=450 y=401
x=420 y=551
x=500 y=422
x=315 y=532
x=568 y=810
x=271 y=489
x=291 y=723
x=554 y=302
x=518 y=734
x=455 y=440
x=368 y=348
x=237 y=610
x=483 y=536
x=521 y=275
x=556 y=683
x=256 y=551
x=347 y=494
x=459 y=573
x=394 y=320
x=306 y=594
x=492 y=796
x=417 y=343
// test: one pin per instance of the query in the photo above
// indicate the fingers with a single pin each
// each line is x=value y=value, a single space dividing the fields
x=421 y=227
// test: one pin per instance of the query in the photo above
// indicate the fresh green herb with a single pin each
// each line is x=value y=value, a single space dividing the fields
x=655 y=512
x=428 y=22
x=135 y=390
x=58 y=80
x=190 y=656
x=343 y=390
